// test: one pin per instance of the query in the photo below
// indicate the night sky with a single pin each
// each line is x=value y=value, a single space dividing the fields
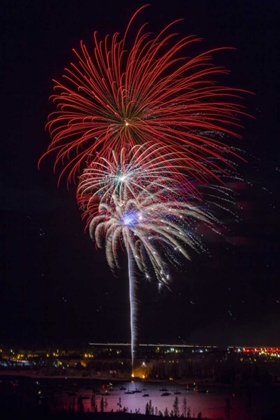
x=56 y=288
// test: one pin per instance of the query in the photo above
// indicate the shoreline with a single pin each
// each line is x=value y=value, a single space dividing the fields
x=38 y=375
x=179 y=382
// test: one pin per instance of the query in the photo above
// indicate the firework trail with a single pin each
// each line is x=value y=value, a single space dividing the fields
x=117 y=97
x=153 y=228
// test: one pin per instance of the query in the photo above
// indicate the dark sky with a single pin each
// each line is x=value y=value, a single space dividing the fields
x=55 y=287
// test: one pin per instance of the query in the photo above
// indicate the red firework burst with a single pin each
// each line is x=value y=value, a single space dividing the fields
x=118 y=97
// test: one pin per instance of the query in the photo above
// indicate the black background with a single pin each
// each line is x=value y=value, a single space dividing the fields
x=56 y=288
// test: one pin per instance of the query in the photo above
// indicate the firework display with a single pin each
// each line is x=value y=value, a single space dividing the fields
x=141 y=129
x=149 y=217
x=149 y=222
x=131 y=171
x=118 y=97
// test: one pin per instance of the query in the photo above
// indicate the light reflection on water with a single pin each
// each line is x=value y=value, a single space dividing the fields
x=211 y=405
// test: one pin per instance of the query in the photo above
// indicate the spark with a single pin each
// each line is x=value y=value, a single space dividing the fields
x=121 y=96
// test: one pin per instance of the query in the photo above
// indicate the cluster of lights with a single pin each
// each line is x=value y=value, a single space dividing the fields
x=260 y=350
x=88 y=355
x=172 y=350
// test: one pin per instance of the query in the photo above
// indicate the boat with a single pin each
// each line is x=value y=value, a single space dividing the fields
x=107 y=386
x=122 y=388
x=146 y=395
x=190 y=386
x=163 y=390
x=165 y=394
x=106 y=392
x=202 y=390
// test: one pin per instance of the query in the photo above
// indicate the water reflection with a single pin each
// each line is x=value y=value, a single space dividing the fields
x=241 y=403
x=134 y=397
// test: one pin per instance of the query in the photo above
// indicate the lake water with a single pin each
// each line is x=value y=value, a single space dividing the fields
x=245 y=404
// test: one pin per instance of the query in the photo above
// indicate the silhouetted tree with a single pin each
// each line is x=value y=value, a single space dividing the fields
x=176 y=407
x=102 y=405
x=119 y=404
x=149 y=408
x=185 y=407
